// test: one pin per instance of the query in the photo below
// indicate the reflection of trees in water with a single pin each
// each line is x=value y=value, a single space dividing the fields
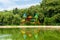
x=5 y=37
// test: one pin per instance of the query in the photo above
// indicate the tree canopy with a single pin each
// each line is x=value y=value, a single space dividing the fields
x=47 y=13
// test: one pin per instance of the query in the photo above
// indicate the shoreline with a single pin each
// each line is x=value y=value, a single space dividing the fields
x=57 y=27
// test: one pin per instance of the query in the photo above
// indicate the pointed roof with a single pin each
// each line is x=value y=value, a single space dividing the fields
x=24 y=15
x=36 y=15
x=29 y=16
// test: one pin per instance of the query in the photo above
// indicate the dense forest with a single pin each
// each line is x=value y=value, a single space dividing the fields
x=47 y=13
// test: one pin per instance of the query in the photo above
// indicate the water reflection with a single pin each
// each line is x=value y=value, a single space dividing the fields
x=5 y=37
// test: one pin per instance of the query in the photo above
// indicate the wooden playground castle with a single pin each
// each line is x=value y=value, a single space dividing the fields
x=29 y=19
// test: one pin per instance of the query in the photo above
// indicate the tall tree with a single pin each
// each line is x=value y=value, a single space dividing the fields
x=15 y=11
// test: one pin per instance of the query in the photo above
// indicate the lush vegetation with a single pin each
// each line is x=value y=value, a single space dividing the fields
x=51 y=12
x=47 y=13
x=30 y=34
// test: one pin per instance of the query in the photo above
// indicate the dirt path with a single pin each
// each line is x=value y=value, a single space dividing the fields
x=49 y=27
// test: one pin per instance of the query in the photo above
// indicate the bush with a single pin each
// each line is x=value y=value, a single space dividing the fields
x=48 y=21
x=57 y=19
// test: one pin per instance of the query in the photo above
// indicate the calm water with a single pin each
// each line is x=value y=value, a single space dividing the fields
x=5 y=37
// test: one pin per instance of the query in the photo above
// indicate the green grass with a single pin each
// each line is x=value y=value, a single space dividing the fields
x=42 y=34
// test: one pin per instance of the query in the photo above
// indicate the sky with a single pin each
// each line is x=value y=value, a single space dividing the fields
x=10 y=4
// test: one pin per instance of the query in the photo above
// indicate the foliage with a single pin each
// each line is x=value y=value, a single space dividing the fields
x=51 y=11
x=47 y=13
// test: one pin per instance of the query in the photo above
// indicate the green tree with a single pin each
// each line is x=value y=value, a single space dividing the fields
x=57 y=18
x=15 y=11
x=16 y=20
x=51 y=7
